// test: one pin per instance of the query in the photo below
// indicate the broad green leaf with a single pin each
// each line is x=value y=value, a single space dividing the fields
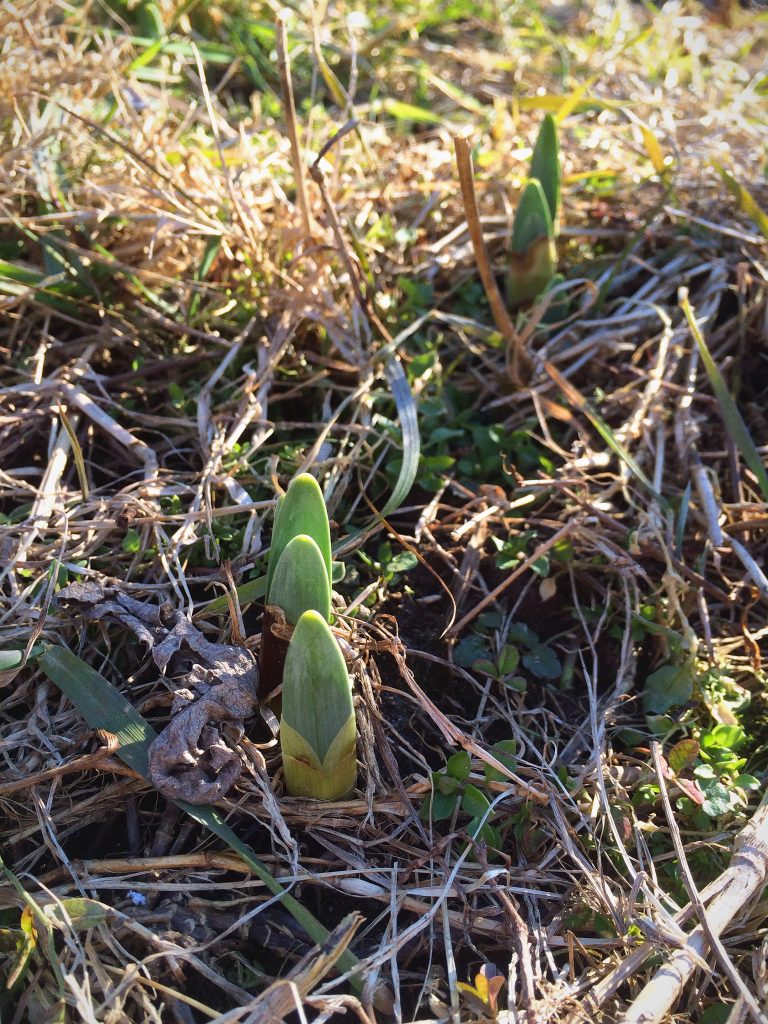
x=474 y=802
x=519 y=633
x=509 y=659
x=440 y=806
x=727 y=736
x=517 y=683
x=485 y=833
x=104 y=707
x=408 y=112
x=682 y=755
x=445 y=783
x=504 y=751
x=543 y=662
x=748 y=782
x=668 y=687
x=459 y=765
x=486 y=666
x=717 y=799
x=469 y=649
x=77 y=912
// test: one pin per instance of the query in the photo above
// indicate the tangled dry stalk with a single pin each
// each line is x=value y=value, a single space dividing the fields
x=184 y=326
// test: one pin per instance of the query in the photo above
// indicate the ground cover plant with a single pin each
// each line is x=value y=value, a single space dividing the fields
x=241 y=247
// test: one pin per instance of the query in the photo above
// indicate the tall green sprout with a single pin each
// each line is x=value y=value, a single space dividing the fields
x=533 y=255
x=318 y=735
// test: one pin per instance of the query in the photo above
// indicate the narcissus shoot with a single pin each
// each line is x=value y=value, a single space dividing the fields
x=533 y=256
x=301 y=510
x=318 y=735
x=298 y=574
x=300 y=582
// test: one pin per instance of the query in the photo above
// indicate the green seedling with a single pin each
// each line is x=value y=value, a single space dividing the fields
x=301 y=510
x=300 y=582
x=545 y=166
x=533 y=256
x=453 y=793
x=298 y=574
x=318 y=735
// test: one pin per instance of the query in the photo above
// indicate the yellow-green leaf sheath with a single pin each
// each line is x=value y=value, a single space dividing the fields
x=306 y=776
x=531 y=272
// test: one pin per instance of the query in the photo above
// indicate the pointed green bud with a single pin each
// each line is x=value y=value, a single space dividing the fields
x=317 y=729
x=533 y=256
x=300 y=582
x=532 y=218
x=300 y=510
x=545 y=165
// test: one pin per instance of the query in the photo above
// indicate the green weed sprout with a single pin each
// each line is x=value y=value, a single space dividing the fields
x=533 y=255
x=298 y=574
x=318 y=735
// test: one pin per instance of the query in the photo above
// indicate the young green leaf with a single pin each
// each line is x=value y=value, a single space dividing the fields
x=300 y=582
x=459 y=765
x=532 y=256
x=533 y=219
x=301 y=510
x=317 y=729
x=474 y=802
x=668 y=687
x=545 y=164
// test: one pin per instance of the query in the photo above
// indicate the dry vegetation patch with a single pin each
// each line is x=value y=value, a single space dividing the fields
x=556 y=636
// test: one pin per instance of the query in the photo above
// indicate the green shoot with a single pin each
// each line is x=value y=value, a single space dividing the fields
x=318 y=734
x=300 y=581
x=545 y=165
x=301 y=510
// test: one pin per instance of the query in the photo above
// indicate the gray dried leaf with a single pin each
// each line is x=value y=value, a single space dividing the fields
x=215 y=690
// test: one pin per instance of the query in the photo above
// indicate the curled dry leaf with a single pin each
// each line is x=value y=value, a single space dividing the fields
x=192 y=759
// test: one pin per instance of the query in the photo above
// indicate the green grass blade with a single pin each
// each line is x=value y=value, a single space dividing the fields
x=409 y=425
x=575 y=397
x=104 y=707
x=746 y=201
x=734 y=423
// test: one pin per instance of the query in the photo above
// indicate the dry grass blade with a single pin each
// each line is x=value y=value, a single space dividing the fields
x=743 y=880
x=733 y=419
x=520 y=363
